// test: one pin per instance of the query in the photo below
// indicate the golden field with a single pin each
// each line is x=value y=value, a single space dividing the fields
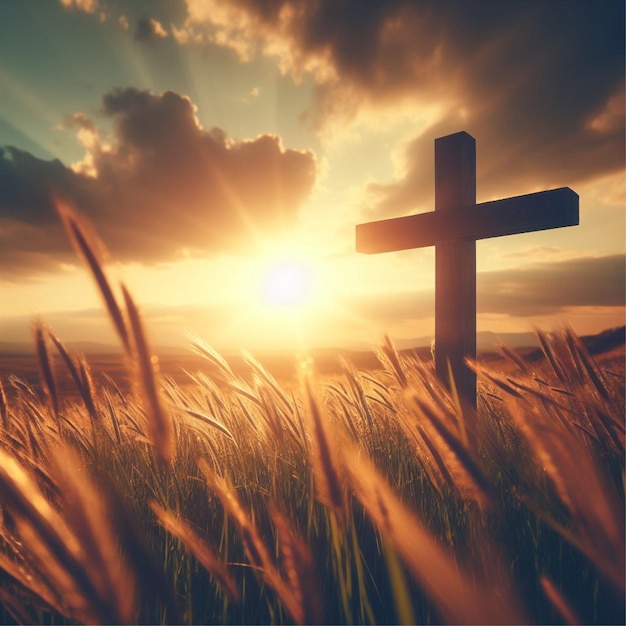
x=201 y=492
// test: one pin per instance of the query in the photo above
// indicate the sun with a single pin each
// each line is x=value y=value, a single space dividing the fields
x=287 y=283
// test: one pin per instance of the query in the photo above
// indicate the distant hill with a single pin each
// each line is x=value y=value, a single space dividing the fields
x=15 y=348
x=24 y=348
x=603 y=342
x=18 y=358
x=485 y=340
x=606 y=340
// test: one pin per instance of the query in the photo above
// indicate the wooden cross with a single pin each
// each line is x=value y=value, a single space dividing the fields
x=453 y=228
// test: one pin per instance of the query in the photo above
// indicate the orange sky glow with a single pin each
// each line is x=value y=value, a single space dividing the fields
x=223 y=152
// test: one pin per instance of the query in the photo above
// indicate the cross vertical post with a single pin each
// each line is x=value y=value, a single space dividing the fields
x=453 y=228
x=455 y=266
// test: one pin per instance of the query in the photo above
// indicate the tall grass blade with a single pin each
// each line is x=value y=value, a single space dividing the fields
x=388 y=356
x=86 y=248
x=514 y=357
x=297 y=563
x=456 y=597
x=580 y=486
x=78 y=374
x=254 y=546
x=467 y=476
x=560 y=604
x=54 y=546
x=152 y=583
x=593 y=371
x=46 y=369
x=210 y=421
x=546 y=347
x=27 y=577
x=4 y=408
x=220 y=371
x=328 y=481
x=196 y=546
x=161 y=428
x=87 y=513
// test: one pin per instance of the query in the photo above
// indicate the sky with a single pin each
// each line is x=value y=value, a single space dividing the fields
x=222 y=152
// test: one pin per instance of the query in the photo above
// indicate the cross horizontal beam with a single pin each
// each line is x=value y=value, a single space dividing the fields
x=521 y=214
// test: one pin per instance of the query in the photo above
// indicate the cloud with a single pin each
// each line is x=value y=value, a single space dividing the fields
x=160 y=187
x=88 y=6
x=539 y=83
x=148 y=29
x=528 y=291
x=549 y=288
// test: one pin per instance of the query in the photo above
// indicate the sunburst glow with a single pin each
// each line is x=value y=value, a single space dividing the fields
x=287 y=283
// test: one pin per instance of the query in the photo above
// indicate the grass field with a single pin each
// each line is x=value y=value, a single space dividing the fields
x=366 y=496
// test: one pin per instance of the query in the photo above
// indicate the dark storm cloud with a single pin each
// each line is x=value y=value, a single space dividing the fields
x=547 y=288
x=539 y=83
x=164 y=185
x=540 y=289
x=148 y=29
